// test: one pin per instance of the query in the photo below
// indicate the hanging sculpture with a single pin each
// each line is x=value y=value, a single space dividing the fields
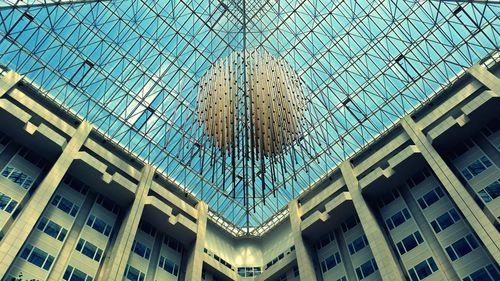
x=251 y=105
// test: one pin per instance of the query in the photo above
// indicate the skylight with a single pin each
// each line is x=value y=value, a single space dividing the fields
x=132 y=68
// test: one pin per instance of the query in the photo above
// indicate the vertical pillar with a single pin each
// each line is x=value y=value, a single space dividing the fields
x=155 y=257
x=464 y=201
x=8 y=81
x=122 y=247
x=194 y=264
x=386 y=261
x=485 y=77
x=304 y=255
x=344 y=252
x=21 y=228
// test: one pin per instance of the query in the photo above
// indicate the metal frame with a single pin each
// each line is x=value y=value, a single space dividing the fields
x=132 y=68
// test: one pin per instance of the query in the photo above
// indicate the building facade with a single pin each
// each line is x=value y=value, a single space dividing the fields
x=420 y=202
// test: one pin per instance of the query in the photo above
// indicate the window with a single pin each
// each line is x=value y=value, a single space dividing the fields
x=65 y=205
x=99 y=225
x=278 y=258
x=445 y=220
x=350 y=223
x=74 y=274
x=487 y=273
x=223 y=262
x=141 y=249
x=75 y=184
x=172 y=243
x=131 y=273
x=147 y=228
x=366 y=269
x=387 y=198
x=490 y=192
x=398 y=219
x=31 y=157
x=219 y=259
x=325 y=240
x=358 y=244
x=343 y=278
x=409 y=242
x=423 y=269
x=52 y=229
x=476 y=167
x=330 y=262
x=249 y=271
x=461 y=148
x=89 y=250
x=430 y=197
x=17 y=176
x=107 y=204
x=462 y=247
x=6 y=203
x=169 y=266
x=418 y=178
x=37 y=257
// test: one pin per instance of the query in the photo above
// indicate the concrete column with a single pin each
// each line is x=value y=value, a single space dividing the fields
x=344 y=253
x=437 y=251
x=122 y=247
x=486 y=78
x=194 y=264
x=385 y=258
x=155 y=257
x=62 y=259
x=8 y=81
x=22 y=226
x=459 y=195
x=304 y=256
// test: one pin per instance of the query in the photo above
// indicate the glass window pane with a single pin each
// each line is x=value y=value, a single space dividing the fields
x=12 y=205
x=52 y=229
x=37 y=257
x=430 y=198
x=422 y=269
x=48 y=263
x=467 y=175
x=367 y=268
x=410 y=243
x=462 y=247
x=486 y=161
x=65 y=205
x=89 y=250
x=4 y=200
x=476 y=168
x=435 y=226
x=444 y=220
x=451 y=253
x=493 y=189
x=398 y=219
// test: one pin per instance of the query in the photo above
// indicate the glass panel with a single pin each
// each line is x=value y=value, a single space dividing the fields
x=134 y=73
x=37 y=257
x=476 y=168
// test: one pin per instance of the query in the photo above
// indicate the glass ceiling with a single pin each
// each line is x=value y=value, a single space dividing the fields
x=131 y=68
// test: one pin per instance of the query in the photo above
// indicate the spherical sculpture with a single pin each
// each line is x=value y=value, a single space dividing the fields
x=251 y=99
